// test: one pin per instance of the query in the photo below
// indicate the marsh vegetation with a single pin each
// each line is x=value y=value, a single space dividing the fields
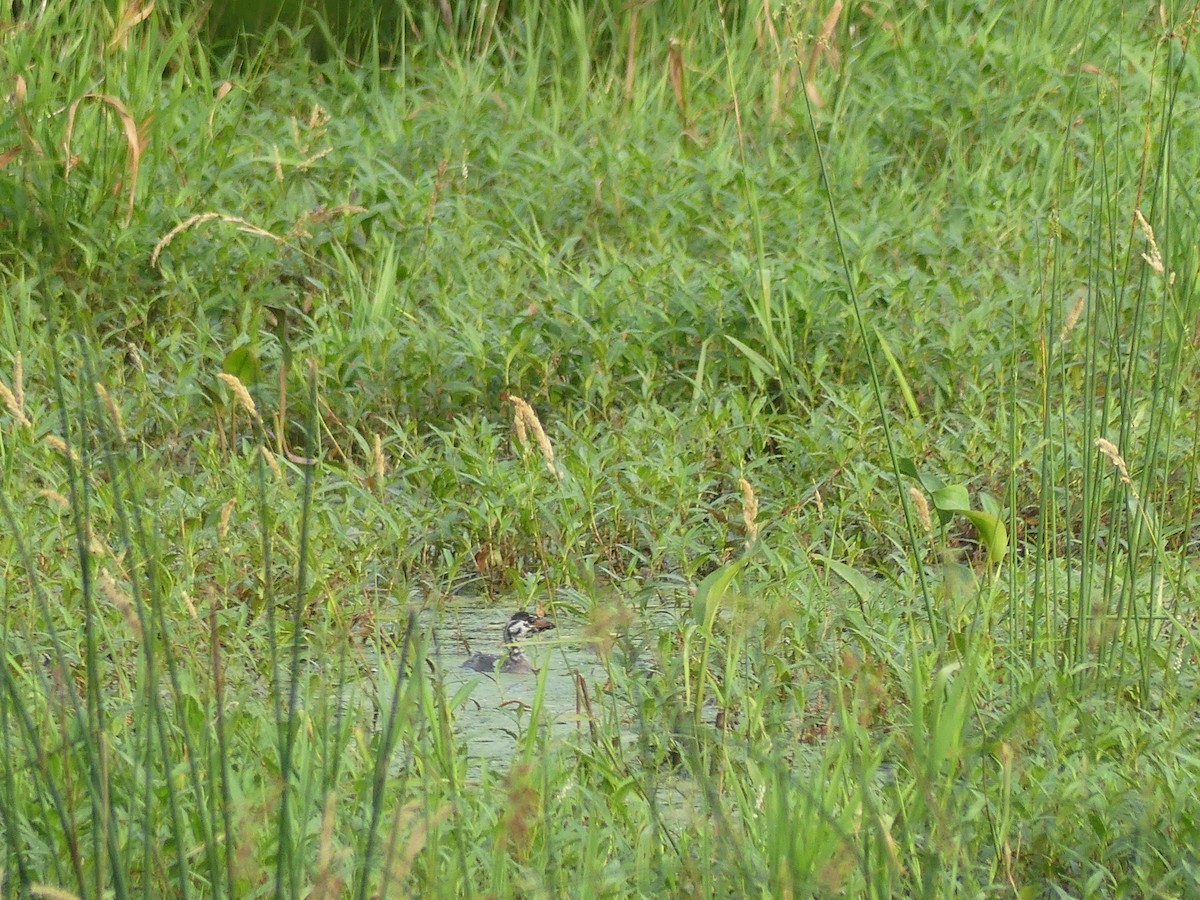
x=826 y=374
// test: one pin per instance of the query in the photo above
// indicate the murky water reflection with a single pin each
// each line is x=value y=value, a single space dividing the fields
x=497 y=713
x=498 y=710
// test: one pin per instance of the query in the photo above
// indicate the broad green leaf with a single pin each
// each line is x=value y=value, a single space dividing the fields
x=931 y=483
x=855 y=579
x=990 y=505
x=712 y=589
x=992 y=532
x=242 y=363
x=950 y=499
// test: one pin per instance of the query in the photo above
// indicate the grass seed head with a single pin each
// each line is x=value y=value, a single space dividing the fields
x=243 y=226
x=1109 y=449
x=378 y=461
x=49 y=892
x=606 y=625
x=520 y=809
x=56 y=498
x=272 y=462
x=120 y=600
x=675 y=74
x=19 y=380
x=327 y=883
x=14 y=399
x=114 y=411
x=1153 y=258
x=223 y=522
x=14 y=408
x=1072 y=318
x=749 y=511
x=519 y=423
x=239 y=391
x=921 y=505
x=526 y=420
x=96 y=545
x=58 y=444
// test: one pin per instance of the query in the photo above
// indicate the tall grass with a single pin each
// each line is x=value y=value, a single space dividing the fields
x=824 y=372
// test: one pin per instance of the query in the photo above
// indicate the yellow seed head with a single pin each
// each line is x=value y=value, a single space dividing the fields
x=223 y=522
x=1073 y=316
x=378 y=461
x=749 y=510
x=1109 y=449
x=527 y=420
x=519 y=416
x=58 y=444
x=56 y=498
x=243 y=226
x=1153 y=258
x=96 y=545
x=19 y=380
x=114 y=411
x=272 y=462
x=239 y=391
x=921 y=505
x=120 y=600
x=15 y=399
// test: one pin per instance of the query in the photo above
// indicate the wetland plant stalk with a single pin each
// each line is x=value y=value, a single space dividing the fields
x=222 y=742
x=92 y=740
x=386 y=744
x=9 y=817
x=34 y=742
x=135 y=536
x=860 y=320
x=80 y=517
x=289 y=737
x=264 y=527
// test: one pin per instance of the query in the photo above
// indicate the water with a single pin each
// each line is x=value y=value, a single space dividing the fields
x=498 y=710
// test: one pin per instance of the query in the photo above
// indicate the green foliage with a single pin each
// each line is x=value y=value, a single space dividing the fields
x=828 y=381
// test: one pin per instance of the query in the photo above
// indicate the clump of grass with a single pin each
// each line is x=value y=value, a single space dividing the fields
x=267 y=316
